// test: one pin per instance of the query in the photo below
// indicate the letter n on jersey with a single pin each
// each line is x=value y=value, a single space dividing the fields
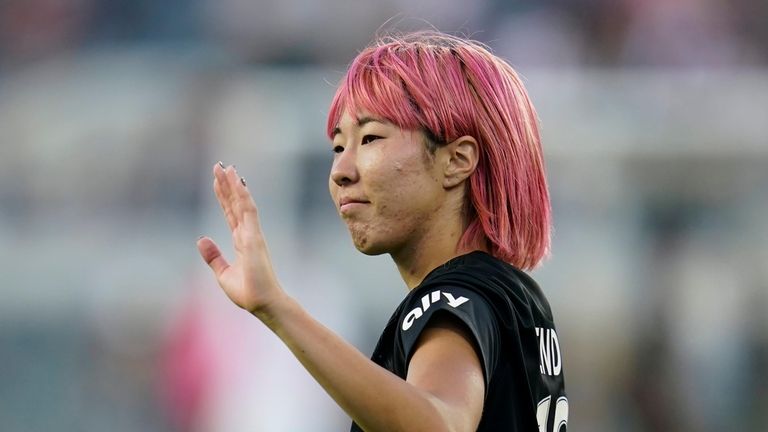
x=550 y=359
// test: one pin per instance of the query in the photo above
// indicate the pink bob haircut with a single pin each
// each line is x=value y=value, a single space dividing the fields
x=449 y=87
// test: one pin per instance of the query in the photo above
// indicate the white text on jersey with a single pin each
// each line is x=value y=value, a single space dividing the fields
x=427 y=301
x=550 y=358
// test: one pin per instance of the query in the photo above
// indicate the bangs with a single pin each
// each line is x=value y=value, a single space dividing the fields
x=371 y=85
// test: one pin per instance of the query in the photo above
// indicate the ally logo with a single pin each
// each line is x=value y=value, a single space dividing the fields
x=427 y=301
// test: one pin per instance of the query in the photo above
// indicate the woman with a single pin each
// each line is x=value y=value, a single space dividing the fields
x=437 y=161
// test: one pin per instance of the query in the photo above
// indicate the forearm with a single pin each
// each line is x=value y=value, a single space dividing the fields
x=375 y=398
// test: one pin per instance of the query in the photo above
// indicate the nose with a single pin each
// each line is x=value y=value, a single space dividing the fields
x=344 y=168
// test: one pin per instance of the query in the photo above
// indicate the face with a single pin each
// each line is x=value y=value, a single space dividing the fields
x=383 y=183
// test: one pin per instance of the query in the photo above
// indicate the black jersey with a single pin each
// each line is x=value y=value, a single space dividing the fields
x=514 y=332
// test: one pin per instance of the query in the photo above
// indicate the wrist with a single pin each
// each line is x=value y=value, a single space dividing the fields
x=271 y=313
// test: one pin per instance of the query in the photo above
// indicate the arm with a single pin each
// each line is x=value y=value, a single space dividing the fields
x=444 y=389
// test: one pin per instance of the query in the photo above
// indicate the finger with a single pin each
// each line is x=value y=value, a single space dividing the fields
x=244 y=200
x=241 y=199
x=212 y=255
x=224 y=194
x=221 y=175
x=229 y=186
x=224 y=203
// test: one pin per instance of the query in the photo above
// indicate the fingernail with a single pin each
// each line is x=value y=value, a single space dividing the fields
x=221 y=165
x=200 y=238
x=242 y=180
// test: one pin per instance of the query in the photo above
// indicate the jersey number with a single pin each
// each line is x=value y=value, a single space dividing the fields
x=561 y=414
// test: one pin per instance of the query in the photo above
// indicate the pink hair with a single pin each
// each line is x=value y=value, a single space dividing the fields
x=451 y=87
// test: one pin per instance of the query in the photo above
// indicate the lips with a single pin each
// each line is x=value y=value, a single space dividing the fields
x=348 y=203
x=347 y=200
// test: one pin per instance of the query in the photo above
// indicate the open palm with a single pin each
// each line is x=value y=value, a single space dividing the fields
x=249 y=281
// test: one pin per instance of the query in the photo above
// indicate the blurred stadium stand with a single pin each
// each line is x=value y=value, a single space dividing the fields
x=112 y=113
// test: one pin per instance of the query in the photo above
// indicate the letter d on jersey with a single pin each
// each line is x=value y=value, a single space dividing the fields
x=427 y=301
x=550 y=357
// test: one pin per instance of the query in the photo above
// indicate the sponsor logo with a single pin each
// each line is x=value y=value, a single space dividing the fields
x=427 y=301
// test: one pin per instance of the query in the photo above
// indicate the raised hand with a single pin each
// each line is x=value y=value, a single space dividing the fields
x=249 y=281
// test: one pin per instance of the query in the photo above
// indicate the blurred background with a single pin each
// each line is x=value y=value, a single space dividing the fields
x=654 y=115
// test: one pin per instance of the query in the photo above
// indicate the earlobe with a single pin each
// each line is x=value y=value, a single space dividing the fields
x=463 y=155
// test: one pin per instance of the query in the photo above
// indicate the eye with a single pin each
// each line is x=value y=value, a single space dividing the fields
x=338 y=149
x=368 y=138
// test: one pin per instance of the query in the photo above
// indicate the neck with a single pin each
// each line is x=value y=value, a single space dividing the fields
x=430 y=249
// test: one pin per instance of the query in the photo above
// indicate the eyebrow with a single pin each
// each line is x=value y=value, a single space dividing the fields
x=360 y=123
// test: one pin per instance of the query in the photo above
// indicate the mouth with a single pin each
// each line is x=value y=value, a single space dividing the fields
x=348 y=204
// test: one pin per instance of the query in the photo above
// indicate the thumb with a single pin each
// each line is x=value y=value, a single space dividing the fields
x=212 y=255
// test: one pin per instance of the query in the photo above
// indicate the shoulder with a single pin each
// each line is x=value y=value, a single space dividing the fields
x=449 y=316
x=512 y=292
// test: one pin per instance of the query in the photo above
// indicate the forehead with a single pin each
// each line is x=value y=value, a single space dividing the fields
x=354 y=119
x=350 y=121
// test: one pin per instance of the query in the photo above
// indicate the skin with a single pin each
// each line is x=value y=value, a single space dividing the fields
x=414 y=197
x=411 y=209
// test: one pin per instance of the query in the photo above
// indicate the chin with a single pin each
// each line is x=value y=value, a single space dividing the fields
x=376 y=238
x=372 y=251
x=366 y=243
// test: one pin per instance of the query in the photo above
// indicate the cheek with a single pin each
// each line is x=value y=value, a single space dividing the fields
x=332 y=188
x=405 y=191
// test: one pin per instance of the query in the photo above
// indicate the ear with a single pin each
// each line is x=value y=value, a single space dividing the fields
x=460 y=159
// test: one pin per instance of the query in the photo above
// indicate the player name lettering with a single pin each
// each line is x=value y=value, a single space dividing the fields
x=427 y=301
x=550 y=358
